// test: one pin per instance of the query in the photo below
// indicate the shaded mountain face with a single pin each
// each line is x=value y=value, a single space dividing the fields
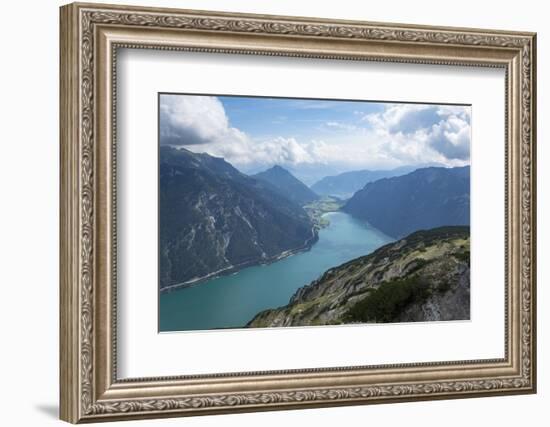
x=423 y=199
x=288 y=185
x=423 y=277
x=346 y=184
x=214 y=219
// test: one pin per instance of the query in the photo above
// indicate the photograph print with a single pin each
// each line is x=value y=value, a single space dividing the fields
x=284 y=212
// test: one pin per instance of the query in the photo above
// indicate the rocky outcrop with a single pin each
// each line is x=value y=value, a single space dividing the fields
x=423 y=277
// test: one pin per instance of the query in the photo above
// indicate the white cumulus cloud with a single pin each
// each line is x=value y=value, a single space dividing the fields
x=190 y=120
x=399 y=134
x=414 y=129
x=200 y=123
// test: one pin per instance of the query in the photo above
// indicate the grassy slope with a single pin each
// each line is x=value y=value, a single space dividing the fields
x=394 y=283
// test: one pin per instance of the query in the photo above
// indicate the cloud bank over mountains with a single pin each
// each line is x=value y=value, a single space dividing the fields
x=389 y=135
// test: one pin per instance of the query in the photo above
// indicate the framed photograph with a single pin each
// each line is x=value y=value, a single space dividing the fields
x=267 y=212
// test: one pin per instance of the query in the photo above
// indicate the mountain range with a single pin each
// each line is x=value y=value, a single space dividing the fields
x=423 y=199
x=215 y=219
x=344 y=185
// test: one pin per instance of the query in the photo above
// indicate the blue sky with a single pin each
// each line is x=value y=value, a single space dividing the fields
x=314 y=138
x=299 y=118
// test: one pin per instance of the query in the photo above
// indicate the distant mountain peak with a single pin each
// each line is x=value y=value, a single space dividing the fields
x=278 y=169
x=287 y=184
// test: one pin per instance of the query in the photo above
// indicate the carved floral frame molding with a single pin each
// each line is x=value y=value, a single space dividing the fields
x=90 y=37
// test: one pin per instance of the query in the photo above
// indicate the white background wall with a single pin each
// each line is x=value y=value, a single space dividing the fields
x=29 y=170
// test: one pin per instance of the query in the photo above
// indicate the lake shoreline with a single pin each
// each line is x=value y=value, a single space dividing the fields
x=234 y=299
x=308 y=244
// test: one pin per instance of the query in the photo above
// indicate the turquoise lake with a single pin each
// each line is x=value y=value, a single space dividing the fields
x=231 y=301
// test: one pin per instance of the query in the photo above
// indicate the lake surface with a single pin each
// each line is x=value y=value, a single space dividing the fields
x=232 y=301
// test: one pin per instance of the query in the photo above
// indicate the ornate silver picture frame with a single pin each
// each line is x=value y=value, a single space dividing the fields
x=91 y=37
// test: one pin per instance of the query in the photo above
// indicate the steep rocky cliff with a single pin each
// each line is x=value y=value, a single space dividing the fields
x=423 y=277
x=214 y=219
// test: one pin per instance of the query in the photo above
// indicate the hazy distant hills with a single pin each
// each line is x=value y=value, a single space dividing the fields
x=423 y=199
x=346 y=184
x=215 y=219
x=287 y=185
